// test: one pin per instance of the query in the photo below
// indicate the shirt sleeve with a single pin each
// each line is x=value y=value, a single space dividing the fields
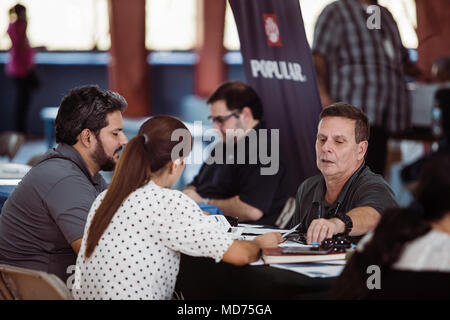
x=186 y=229
x=69 y=202
x=377 y=195
x=327 y=31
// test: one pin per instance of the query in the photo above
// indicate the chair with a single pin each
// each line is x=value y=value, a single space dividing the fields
x=26 y=284
x=10 y=143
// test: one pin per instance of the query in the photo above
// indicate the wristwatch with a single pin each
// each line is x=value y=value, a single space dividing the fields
x=205 y=200
x=347 y=221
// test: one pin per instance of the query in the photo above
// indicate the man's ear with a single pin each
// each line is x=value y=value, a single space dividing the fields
x=246 y=115
x=362 y=149
x=86 y=138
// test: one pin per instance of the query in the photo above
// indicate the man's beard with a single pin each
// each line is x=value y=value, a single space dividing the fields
x=105 y=163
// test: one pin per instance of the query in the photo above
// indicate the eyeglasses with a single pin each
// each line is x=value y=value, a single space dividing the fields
x=222 y=119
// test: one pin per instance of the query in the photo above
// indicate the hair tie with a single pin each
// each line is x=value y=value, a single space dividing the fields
x=145 y=138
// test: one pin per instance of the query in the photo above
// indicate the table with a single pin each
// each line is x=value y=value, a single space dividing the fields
x=6 y=187
x=10 y=170
x=203 y=278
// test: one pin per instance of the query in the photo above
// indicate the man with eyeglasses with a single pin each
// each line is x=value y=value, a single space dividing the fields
x=42 y=221
x=240 y=189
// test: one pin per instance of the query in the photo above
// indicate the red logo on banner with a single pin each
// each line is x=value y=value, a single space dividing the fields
x=272 y=31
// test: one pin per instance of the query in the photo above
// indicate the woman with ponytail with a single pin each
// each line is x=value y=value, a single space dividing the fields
x=410 y=246
x=137 y=228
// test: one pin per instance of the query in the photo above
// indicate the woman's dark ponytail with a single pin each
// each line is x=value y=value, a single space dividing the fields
x=145 y=154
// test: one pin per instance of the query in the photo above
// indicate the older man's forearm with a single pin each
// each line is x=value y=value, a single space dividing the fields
x=364 y=220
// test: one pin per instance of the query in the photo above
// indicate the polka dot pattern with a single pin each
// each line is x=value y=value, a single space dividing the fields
x=138 y=255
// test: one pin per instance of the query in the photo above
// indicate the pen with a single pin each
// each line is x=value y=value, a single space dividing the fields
x=291 y=230
x=315 y=243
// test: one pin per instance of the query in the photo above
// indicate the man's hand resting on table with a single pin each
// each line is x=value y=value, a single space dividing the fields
x=321 y=229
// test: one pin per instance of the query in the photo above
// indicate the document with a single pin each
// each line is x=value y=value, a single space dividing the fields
x=247 y=225
x=289 y=243
x=222 y=221
x=313 y=270
x=236 y=232
x=262 y=230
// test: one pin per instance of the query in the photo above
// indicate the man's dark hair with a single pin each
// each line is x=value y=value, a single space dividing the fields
x=85 y=107
x=344 y=110
x=238 y=95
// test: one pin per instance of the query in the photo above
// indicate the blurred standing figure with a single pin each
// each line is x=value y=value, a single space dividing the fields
x=21 y=64
x=363 y=64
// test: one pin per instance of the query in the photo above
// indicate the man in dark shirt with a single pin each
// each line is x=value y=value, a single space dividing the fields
x=347 y=197
x=249 y=186
x=42 y=222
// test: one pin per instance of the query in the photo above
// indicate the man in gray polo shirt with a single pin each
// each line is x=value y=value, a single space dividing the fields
x=347 y=197
x=42 y=222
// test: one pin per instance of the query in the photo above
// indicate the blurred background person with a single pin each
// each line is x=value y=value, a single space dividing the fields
x=440 y=75
x=21 y=66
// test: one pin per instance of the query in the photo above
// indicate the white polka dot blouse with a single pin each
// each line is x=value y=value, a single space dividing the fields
x=138 y=255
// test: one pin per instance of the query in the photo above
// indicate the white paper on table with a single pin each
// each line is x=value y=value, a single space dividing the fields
x=236 y=232
x=246 y=225
x=262 y=230
x=259 y=262
x=334 y=262
x=312 y=270
x=245 y=237
x=289 y=243
x=221 y=220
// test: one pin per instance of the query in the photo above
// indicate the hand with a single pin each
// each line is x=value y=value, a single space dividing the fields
x=321 y=229
x=193 y=195
x=269 y=240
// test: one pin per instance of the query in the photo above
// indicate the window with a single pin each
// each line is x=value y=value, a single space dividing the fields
x=404 y=12
x=170 y=24
x=61 y=25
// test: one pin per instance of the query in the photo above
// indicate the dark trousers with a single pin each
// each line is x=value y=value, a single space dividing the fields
x=24 y=88
x=377 y=152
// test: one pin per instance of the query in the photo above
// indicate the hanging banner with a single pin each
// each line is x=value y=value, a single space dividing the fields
x=278 y=65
